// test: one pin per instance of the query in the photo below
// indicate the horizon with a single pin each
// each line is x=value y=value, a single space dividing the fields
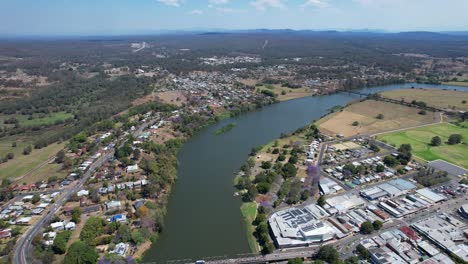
x=123 y=17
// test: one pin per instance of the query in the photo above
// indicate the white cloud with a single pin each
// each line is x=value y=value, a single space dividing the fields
x=318 y=3
x=218 y=2
x=196 y=12
x=264 y=4
x=174 y=3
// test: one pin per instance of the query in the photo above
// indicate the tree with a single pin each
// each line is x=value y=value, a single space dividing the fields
x=352 y=260
x=76 y=215
x=366 y=228
x=289 y=170
x=60 y=242
x=380 y=168
x=422 y=112
x=124 y=234
x=321 y=200
x=281 y=157
x=93 y=228
x=380 y=116
x=137 y=237
x=27 y=150
x=390 y=161
x=355 y=123
x=60 y=157
x=263 y=187
x=36 y=198
x=377 y=224
x=362 y=252
x=266 y=165
x=10 y=155
x=295 y=261
x=80 y=253
x=454 y=139
x=328 y=253
x=142 y=211
x=436 y=141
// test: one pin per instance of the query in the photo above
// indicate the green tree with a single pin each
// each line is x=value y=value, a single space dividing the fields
x=263 y=187
x=289 y=170
x=380 y=116
x=266 y=165
x=377 y=224
x=328 y=253
x=362 y=252
x=80 y=253
x=93 y=228
x=436 y=141
x=352 y=260
x=295 y=261
x=355 y=123
x=76 y=215
x=36 y=198
x=390 y=161
x=366 y=228
x=321 y=200
x=60 y=157
x=455 y=139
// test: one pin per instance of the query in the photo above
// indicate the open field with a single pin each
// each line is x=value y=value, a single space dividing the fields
x=432 y=97
x=365 y=113
x=24 y=163
x=420 y=139
x=285 y=93
x=172 y=97
x=249 y=212
x=456 y=83
x=38 y=120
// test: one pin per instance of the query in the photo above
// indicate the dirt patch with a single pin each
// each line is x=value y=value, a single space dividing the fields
x=172 y=97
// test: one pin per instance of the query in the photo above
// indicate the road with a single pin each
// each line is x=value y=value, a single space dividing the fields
x=23 y=245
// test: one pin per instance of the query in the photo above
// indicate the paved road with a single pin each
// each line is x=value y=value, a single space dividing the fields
x=23 y=245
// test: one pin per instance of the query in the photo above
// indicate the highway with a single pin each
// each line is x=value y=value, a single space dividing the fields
x=23 y=245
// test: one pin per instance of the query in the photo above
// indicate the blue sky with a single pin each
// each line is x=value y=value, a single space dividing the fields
x=90 y=17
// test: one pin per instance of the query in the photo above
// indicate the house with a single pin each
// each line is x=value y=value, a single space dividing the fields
x=5 y=233
x=118 y=218
x=70 y=226
x=82 y=193
x=113 y=205
x=57 y=226
x=23 y=221
x=138 y=204
x=132 y=168
x=120 y=249
x=91 y=209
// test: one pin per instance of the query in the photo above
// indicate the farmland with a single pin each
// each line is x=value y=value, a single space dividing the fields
x=365 y=114
x=432 y=97
x=38 y=119
x=420 y=139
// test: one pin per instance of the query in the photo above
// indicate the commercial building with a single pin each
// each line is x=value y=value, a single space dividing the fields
x=301 y=227
x=393 y=188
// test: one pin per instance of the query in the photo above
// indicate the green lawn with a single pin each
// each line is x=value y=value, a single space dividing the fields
x=249 y=212
x=420 y=139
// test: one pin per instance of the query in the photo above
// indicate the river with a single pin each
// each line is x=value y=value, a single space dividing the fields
x=203 y=217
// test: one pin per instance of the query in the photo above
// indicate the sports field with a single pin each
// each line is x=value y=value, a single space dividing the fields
x=457 y=100
x=420 y=139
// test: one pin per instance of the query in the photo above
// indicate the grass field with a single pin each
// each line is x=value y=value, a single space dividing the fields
x=432 y=97
x=24 y=163
x=285 y=93
x=249 y=212
x=420 y=139
x=365 y=113
x=49 y=119
x=457 y=83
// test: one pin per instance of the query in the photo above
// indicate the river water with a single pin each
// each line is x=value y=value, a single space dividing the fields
x=203 y=217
